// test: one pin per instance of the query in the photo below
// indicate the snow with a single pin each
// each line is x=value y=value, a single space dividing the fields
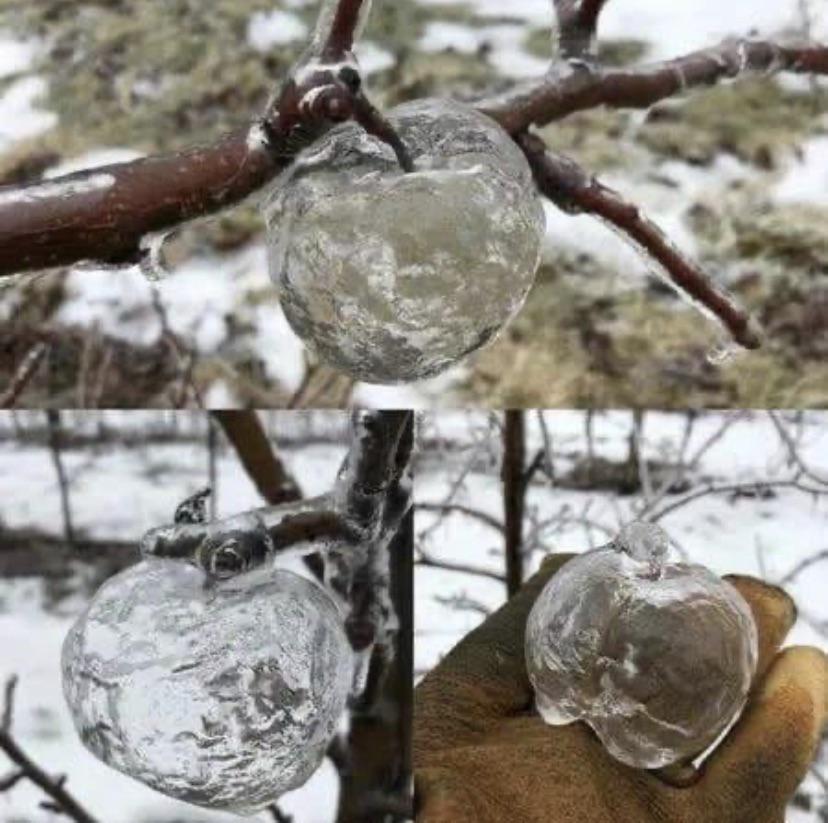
x=806 y=180
x=115 y=491
x=764 y=538
x=20 y=115
x=275 y=28
x=16 y=55
x=742 y=536
x=373 y=58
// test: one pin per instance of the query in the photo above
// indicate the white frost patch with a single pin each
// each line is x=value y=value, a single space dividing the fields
x=49 y=191
x=116 y=302
x=93 y=160
x=275 y=28
x=257 y=138
x=508 y=54
x=15 y=55
x=372 y=58
x=282 y=352
x=19 y=116
x=806 y=181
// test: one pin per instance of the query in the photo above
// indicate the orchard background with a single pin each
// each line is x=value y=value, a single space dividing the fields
x=736 y=175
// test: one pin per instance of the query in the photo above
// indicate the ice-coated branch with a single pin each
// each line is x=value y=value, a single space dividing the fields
x=113 y=215
x=577 y=25
x=374 y=492
x=60 y=800
x=304 y=527
x=371 y=486
x=370 y=498
x=570 y=187
x=574 y=87
x=340 y=23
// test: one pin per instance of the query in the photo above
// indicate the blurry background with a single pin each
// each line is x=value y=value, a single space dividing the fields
x=737 y=175
x=79 y=490
x=742 y=492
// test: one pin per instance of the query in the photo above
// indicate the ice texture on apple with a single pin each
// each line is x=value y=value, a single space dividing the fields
x=393 y=277
x=657 y=658
x=224 y=694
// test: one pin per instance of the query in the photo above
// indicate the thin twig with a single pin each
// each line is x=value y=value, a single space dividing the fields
x=459 y=508
x=61 y=800
x=565 y=183
x=793 y=452
x=429 y=561
x=803 y=565
x=758 y=486
x=23 y=375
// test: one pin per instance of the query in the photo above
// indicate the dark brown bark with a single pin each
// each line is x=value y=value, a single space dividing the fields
x=341 y=37
x=110 y=214
x=268 y=472
x=514 y=489
x=572 y=189
x=577 y=26
x=580 y=87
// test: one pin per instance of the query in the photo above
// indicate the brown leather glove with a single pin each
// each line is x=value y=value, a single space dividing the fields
x=482 y=754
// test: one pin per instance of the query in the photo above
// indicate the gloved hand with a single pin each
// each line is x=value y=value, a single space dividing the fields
x=482 y=754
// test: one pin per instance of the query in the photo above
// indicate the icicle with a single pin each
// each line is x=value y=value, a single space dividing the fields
x=153 y=265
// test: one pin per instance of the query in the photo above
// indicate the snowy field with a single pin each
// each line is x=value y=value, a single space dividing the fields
x=208 y=296
x=116 y=492
x=766 y=536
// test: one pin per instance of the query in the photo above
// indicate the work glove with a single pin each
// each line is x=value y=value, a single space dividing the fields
x=483 y=754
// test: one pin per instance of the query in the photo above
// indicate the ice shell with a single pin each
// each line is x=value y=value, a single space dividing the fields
x=657 y=667
x=646 y=542
x=223 y=695
x=393 y=277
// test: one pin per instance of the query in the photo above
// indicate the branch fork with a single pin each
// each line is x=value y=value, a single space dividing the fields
x=105 y=215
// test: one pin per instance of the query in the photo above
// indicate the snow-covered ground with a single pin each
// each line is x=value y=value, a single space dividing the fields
x=766 y=537
x=201 y=291
x=115 y=492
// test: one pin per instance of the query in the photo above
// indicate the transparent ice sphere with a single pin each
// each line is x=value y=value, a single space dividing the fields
x=224 y=694
x=393 y=277
x=656 y=657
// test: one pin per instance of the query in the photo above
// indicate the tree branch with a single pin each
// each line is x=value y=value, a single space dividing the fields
x=459 y=508
x=25 y=372
x=61 y=800
x=114 y=214
x=565 y=183
x=577 y=26
x=576 y=87
x=344 y=26
x=110 y=214
x=290 y=527
x=427 y=560
x=800 y=567
x=272 y=479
